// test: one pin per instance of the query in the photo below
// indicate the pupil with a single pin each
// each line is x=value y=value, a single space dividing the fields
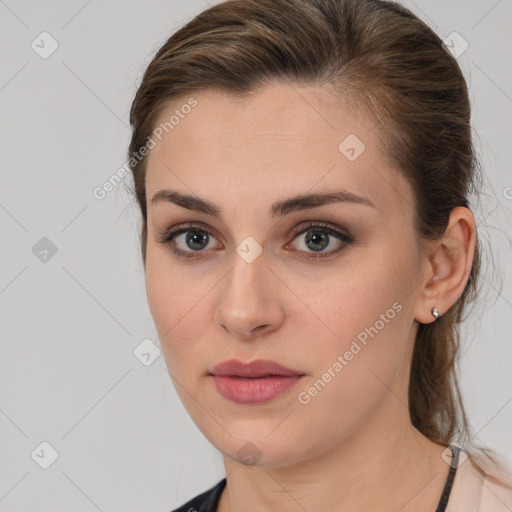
x=195 y=237
x=317 y=238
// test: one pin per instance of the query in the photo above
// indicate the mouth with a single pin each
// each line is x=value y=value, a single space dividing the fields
x=253 y=383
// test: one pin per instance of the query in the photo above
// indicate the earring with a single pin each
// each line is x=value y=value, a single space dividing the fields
x=435 y=312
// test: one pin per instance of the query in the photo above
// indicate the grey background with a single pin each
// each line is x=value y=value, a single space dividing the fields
x=70 y=325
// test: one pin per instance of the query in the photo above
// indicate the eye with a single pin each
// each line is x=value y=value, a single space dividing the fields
x=192 y=237
x=319 y=236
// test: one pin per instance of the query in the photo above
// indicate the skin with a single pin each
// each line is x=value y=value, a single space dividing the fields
x=352 y=447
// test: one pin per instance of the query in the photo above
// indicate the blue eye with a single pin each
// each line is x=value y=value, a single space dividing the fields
x=318 y=237
x=196 y=239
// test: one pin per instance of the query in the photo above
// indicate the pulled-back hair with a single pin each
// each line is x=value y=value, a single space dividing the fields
x=378 y=56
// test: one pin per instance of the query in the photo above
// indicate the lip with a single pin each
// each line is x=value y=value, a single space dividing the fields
x=253 y=383
x=258 y=368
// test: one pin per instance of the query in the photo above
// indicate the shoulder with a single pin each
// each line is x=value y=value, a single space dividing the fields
x=204 y=502
x=473 y=492
x=497 y=492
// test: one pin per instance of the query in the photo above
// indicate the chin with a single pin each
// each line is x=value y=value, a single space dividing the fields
x=258 y=444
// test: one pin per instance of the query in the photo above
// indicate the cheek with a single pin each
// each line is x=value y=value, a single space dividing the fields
x=170 y=292
x=355 y=370
x=177 y=306
x=363 y=316
x=341 y=304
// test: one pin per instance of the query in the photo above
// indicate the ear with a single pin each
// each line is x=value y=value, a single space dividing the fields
x=447 y=265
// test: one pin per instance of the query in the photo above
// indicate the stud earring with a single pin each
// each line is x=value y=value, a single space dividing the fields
x=435 y=312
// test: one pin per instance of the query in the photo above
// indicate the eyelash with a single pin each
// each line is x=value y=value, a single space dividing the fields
x=168 y=236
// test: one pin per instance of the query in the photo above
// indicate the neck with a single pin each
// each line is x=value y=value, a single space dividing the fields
x=381 y=467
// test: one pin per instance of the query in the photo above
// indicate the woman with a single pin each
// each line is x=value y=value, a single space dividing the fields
x=303 y=169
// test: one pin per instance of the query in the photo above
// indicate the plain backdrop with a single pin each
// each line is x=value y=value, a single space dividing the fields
x=76 y=391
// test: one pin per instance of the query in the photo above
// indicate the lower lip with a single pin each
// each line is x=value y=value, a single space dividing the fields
x=254 y=391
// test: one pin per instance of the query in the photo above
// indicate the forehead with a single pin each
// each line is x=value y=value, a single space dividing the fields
x=221 y=118
x=278 y=140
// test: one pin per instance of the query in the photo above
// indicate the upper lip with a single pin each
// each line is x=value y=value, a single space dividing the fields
x=258 y=368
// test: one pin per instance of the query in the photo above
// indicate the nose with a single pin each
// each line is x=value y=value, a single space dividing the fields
x=250 y=303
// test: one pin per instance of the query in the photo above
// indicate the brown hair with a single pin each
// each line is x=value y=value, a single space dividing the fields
x=392 y=64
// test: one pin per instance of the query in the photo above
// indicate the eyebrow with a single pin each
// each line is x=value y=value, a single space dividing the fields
x=279 y=208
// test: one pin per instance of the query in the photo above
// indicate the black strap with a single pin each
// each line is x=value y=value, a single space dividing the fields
x=443 y=502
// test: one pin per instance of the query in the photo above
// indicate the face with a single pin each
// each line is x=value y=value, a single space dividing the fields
x=325 y=288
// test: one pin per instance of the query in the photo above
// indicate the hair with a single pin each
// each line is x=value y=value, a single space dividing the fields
x=384 y=59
